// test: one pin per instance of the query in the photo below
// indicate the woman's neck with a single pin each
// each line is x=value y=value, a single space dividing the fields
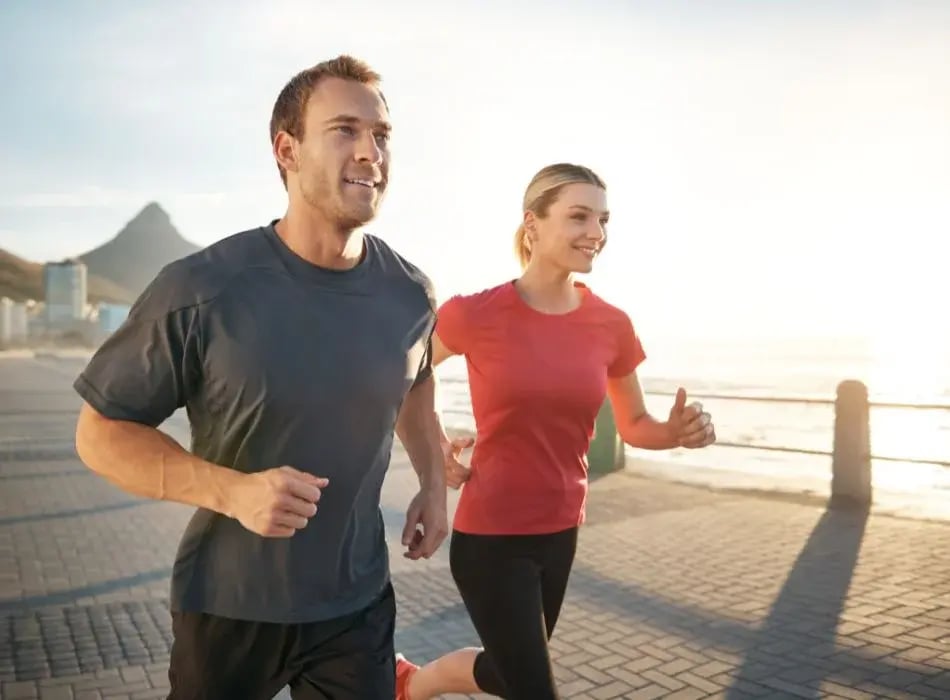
x=548 y=291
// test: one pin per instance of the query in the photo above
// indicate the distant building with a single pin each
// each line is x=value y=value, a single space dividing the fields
x=66 y=291
x=21 y=323
x=6 y=321
x=13 y=322
x=111 y=316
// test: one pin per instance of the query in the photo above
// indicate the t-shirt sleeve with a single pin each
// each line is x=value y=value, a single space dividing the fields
x=452 y=325
x=424 y=370
x=425 y=366
x=629 y=350
x=148 y=368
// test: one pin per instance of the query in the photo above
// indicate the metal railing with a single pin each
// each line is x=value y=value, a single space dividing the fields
x=851 y=454
x=817 y=401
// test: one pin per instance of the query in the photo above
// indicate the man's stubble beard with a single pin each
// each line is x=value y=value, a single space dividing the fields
x=331 y=205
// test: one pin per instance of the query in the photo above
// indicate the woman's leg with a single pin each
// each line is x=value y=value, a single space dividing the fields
x=451 y=673
x=499 y=578
x=552 y=556
x=557 y=562
x=508 y=614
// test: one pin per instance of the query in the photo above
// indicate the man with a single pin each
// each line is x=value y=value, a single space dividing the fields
x=297 y=348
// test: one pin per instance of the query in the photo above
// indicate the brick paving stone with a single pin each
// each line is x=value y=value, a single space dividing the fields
x=678 y=591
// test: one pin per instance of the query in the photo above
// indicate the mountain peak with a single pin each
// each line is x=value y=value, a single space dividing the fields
x=152 y=209
x=118 y=270
x=153 y=222
x=135 y=255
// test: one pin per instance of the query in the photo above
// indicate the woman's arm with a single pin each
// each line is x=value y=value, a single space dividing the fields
x=440 y=353
x=456 y=473
x=687 y=426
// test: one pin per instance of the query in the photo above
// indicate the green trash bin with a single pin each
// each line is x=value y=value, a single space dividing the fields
x=606 y=452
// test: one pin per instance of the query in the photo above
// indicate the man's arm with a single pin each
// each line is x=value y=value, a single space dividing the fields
x=142 y=374
x=146 y=462
x=419 y=428
x=425 y=409
x=455 y=472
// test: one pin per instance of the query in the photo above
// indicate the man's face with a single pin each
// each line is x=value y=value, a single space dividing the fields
x=343 y=160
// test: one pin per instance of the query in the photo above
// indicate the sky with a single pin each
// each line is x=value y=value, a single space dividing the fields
x=773 y=168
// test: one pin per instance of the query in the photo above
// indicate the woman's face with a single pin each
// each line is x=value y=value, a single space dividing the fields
x=574 y=231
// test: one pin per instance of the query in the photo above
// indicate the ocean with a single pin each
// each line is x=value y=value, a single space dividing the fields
x=919 y=373
x=790 y=368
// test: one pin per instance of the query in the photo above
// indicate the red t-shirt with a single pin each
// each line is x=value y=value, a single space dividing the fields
x=537 y=383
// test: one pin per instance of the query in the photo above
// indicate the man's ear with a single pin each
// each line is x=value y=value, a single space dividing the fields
x=285 y=151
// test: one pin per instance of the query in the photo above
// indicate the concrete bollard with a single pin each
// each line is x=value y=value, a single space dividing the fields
x=606 y=452
x=851 y=454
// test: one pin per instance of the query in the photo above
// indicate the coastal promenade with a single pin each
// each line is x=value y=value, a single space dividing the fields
x=678 y=592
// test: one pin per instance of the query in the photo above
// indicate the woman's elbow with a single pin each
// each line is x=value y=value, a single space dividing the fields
x=627 y=430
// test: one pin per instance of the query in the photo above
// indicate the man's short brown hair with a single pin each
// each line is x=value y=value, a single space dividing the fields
x=291 y=106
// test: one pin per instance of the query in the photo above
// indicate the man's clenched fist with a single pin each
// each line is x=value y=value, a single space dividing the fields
x=276 y=502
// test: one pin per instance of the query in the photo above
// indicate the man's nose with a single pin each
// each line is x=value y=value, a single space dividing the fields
x=368 y=149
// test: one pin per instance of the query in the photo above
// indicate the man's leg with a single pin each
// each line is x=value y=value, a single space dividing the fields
x=218 y=658
x=351 y=658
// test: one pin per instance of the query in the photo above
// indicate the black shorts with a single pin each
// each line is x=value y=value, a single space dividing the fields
x=348 y=658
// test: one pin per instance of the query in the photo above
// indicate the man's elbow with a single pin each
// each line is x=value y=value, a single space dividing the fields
x=91 y=435
x=407 y=426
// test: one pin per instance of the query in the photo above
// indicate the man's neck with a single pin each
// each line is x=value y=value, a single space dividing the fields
x=320 y=243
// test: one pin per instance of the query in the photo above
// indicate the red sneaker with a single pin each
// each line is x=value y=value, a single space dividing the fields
x=404 y=671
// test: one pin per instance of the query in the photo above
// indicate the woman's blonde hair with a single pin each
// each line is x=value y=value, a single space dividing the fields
x=543 y=191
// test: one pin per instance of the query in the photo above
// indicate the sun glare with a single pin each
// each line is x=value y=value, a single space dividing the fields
x=911 y=364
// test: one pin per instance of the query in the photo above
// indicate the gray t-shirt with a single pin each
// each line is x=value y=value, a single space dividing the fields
x=278 y=362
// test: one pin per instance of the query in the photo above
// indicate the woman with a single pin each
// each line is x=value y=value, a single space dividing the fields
x=541 y=352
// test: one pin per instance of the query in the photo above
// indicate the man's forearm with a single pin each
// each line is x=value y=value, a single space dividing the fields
x=426 y=458
x=419 y=428
x=148 y=463
x=437 y=416
x=420 y=438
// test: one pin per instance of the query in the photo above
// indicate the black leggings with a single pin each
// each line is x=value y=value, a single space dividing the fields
x=513 y=587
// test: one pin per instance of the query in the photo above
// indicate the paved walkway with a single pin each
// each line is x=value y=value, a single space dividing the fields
x=678 y=592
